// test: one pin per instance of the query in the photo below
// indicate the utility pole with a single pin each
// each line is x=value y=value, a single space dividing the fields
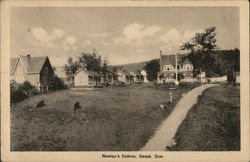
x=176 y=70
x=233 y=70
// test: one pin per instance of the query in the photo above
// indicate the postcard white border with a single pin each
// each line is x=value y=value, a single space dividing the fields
x=7 y=155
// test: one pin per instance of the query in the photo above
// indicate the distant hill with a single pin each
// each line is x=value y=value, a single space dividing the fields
x=138 y=66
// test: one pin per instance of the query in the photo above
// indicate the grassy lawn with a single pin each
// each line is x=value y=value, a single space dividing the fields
x=213 y=124
x=113 y=118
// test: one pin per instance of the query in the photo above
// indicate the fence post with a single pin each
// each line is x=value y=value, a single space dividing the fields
x=170 y=94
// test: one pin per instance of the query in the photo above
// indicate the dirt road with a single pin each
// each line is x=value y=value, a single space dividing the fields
x=167 y=130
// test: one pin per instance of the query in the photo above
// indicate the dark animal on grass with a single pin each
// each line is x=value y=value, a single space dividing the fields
x=77 y=106
x=163 y=107
x=40 y=104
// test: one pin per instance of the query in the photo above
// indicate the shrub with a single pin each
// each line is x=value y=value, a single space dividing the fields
x=19 y=92
x=16 y=95
x=189 y=85
x=56 y=84
x=27 y=88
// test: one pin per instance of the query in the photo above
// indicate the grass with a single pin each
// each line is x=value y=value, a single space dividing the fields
x=111 y=119
x=213 y=124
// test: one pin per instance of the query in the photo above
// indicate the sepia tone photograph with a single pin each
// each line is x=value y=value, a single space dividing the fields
x=125 y=78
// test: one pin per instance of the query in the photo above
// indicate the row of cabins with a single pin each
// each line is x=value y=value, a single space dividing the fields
x=37 y=69
x=126 y=77
x=83 y=78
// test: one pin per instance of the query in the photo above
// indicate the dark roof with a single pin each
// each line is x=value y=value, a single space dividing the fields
x=30 y=64
x=170 y=60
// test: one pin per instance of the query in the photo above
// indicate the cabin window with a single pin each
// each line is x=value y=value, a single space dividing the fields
x=167 y=67
x=31 y=79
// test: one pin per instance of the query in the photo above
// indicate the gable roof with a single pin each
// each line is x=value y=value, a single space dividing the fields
x=92 y=73
x=124 y=72
x=170 y=60
x=109 y=73
x=13 y=63
x=30 y=64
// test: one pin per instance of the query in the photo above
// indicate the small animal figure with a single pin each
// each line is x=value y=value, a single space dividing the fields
x=40 y=104
x=77 y=106
x=162 y=106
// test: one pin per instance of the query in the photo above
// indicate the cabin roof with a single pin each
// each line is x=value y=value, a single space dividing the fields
x=30 y=64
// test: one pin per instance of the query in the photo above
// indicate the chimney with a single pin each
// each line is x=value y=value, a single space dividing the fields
x=160 y=52
x=28 y=55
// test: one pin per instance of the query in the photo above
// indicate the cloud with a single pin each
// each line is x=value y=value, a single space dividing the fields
x=86 y=43
x=188 y=34
x=69 y=43
x=105 y=43
x=172 y=35
x=99 y=34
x=135 y=33
x=42 y=35
x=58 y=33
x=140 y=51
x=174 y=39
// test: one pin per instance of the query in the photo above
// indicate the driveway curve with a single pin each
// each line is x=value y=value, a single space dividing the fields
x=167 y=130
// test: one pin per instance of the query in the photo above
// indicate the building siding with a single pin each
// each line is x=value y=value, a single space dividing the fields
x=32 y=70
x=81 y=79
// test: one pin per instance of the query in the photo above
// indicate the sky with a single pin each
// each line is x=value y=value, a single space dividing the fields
x=119 y=34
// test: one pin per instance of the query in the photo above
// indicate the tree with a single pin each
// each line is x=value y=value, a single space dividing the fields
x=91 y=62
x=88 y=61
x=226 y=62
x=116 y=68
x=152 y=68
x=70 y=68
x=200 y=49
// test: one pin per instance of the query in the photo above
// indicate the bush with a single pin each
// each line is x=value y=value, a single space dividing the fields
x=56 y=84
x=189 y=85
x=19 y=92
x=28 y=89
x=16 y=95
